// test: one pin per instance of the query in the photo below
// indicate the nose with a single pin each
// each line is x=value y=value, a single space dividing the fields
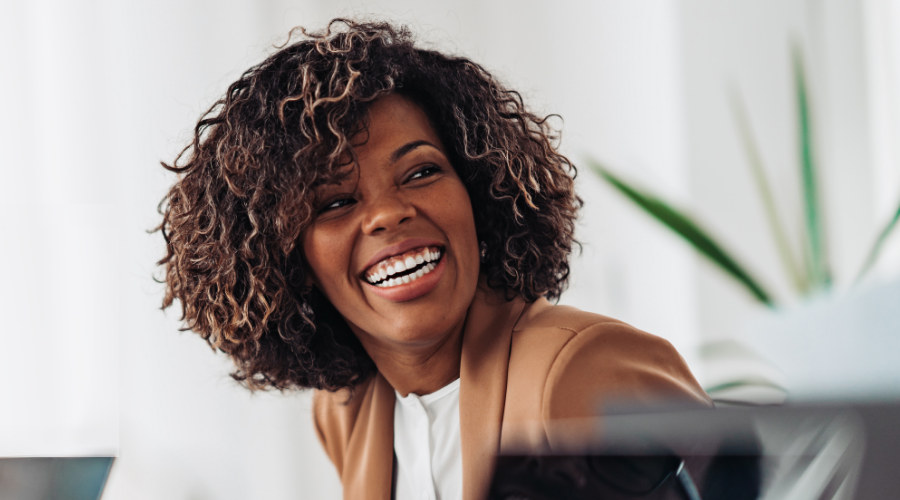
x=389 y=211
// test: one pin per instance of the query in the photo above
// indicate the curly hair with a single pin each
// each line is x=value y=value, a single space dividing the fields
x=245 y=191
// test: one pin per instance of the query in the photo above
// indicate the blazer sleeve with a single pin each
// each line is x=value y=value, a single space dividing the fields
x=613 y=363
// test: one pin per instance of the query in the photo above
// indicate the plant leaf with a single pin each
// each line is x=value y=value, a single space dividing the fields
x=687 y=229
x=746 y=382
x=800 y=282
x=876 y=248
x=820 y=275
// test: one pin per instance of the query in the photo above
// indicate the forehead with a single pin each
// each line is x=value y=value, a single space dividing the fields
x=393 y=122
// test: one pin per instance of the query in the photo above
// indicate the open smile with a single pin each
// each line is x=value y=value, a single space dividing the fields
x=405 y=268
x=406 y=276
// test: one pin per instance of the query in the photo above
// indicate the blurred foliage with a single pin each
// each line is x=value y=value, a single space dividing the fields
x=814 y=274
x=687 y=228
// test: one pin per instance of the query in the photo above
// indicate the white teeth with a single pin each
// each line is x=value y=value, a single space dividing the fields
x=428 y=257
x=399 y=280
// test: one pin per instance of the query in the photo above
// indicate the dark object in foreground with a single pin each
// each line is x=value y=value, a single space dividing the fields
x=813 y=451
x=591 y=477
x=648 y=477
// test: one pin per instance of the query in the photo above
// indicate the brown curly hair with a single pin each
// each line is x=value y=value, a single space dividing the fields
x=245 y=192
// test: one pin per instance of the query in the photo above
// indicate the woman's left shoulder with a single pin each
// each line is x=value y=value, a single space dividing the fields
x=588 y=359
x=564 y=325
x=542 y=314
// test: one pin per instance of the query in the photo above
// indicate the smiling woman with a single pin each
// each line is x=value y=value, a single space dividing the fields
x=394 y=248
x=385 y=225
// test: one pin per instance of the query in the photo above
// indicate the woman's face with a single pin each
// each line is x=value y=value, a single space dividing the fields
x=393 y=246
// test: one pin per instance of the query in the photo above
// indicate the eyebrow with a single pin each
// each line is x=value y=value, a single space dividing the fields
x=406 y=148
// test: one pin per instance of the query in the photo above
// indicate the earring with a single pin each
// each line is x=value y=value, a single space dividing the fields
x=483 y=246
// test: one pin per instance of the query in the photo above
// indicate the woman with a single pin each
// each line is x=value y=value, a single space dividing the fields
x=385 y=225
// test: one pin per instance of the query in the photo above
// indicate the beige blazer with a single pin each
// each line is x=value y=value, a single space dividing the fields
x=524 y=367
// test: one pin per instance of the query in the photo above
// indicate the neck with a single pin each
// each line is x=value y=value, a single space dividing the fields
x=418 y=369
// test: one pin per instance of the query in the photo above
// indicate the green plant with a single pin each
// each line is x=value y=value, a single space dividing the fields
x=814 y=273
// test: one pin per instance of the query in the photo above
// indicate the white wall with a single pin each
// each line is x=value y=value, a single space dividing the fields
x=95 y=93
x=61 y=219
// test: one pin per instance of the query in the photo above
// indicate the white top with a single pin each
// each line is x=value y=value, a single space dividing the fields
x=426 y=441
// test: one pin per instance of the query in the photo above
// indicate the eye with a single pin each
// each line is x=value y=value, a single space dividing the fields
x=335 y=204
x=426 y=171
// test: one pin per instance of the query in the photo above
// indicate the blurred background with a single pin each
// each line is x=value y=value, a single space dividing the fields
x=95 y=93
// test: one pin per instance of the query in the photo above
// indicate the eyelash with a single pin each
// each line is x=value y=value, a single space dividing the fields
x=330 y=205
x=426 y=171
x=431 y=169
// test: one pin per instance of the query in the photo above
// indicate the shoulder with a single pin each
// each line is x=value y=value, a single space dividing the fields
x=583 y=361
x=543 y=314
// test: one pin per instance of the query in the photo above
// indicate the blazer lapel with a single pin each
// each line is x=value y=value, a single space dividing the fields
x=369 y=466
x=482 y=388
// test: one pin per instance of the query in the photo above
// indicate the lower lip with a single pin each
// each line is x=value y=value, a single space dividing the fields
x=413 y=289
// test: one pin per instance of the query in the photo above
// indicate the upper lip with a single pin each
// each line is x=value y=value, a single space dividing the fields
x=400 y=248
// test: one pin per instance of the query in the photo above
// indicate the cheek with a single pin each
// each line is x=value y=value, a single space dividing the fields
x=456 y=209
x=324 y=253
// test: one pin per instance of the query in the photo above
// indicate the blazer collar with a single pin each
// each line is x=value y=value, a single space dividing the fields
x=487 y=337
x=368 y=466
